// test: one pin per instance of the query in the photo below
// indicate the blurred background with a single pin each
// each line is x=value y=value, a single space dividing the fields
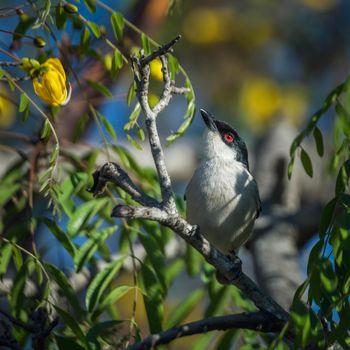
x=264 y=67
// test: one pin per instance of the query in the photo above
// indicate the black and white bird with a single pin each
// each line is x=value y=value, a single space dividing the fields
x=222 y=196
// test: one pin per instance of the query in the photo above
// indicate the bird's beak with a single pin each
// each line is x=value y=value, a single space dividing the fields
x=209 y=120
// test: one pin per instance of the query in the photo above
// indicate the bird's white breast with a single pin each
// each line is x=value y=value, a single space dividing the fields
x=223 y=200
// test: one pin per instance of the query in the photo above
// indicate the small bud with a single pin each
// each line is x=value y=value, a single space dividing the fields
x=70 y=8
x=19 y=11
x=103 y=30
x=39 y=41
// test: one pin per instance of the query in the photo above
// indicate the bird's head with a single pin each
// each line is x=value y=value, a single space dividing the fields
x=222 y=141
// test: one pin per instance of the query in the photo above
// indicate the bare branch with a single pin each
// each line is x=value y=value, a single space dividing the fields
x=180 y=91
x=114 y=173
x=167 y=90
x=160 y=52
x=166 y=213
x=257 y=321
x=141 y=75
x=227 y=267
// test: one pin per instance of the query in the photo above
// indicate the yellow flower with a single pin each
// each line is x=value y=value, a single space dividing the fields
x=50 y=84
x=259 y=100
x=7 y=109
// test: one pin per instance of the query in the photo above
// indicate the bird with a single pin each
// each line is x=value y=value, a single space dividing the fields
x=222 y=196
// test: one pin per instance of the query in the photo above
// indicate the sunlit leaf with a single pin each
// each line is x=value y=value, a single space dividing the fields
x=91 y=5
x=117 y=21
x=106 y=123
x=146 y=44
x=95 y=28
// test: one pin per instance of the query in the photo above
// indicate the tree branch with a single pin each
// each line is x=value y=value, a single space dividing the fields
x=166 y=213
x=141 y=75
x=114 y=173
x=258 y=321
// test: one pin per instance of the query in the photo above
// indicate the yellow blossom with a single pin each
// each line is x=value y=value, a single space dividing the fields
x=260 y=101
x=50 y=83
x=7 y=109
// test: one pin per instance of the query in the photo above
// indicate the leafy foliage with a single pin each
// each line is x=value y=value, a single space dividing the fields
x=43 y=194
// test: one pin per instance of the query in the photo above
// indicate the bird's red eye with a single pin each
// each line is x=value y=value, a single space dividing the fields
x=228 y=137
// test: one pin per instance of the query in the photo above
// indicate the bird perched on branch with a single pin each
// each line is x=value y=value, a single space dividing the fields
x=222 y=196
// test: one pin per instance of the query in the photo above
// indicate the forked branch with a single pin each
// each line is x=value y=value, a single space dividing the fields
x=166 y=212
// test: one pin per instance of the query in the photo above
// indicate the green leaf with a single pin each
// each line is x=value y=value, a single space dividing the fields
x=95 y=28
x=22 y=27
x=140 y=133
x=82 y=214
x=173 y=270
x=146 y=44
x=107 y=125
x=174 y=66
x=117 y=21
x=43 y=14
x=85 y=39
x=87 y=250
x=46 y=131
x=156 y=257
x=117 y=63
x=326 y=217
x=98 y=329
x=314 y=257
x=202 y=341
x=218 y=302
x=301 y=319
x=114 y=296
x=306 y=161
x=71 y=322
x=319 y=141
x=91 y=5
x=100 y=88
x=23 y=103
x=180 y=313
x=65 y=343
x=328 y=277
x=343 y=178
x=134 y=142
x=61 y=17
x=65 y=287
x=193 y=260
x=60 y=236
x=5 y=255
x=184 y=126
x=17 y=257
x=101 y=282
x=154 y=298
x=226 y=341
x=131 y=93
x=133 y=117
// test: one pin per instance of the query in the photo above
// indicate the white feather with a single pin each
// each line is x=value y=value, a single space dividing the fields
x=222 y=196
